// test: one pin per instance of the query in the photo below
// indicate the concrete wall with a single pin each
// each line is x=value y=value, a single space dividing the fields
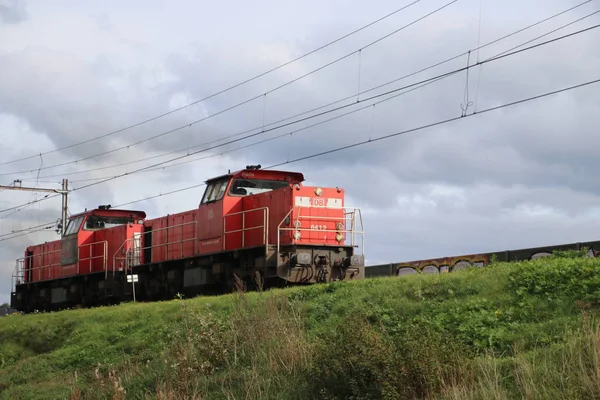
x=455 y=263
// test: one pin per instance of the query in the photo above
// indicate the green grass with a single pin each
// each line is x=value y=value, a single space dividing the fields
x=518 y=330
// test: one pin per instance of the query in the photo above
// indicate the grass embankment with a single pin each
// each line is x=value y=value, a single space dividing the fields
x=522 y=330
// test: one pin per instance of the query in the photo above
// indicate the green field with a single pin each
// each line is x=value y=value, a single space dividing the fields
x=519 y=330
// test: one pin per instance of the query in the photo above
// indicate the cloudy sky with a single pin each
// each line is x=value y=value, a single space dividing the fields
x=517 y=177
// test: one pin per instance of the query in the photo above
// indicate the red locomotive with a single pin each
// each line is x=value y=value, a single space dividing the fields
x=256 y=225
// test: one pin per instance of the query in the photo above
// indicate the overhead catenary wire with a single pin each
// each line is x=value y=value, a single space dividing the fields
x=491 y=59
x=260 y=95
x=389 y=136
x=26 y=233
x=13 y=212
x=29 y=203
x=396 y=11
x=257 y=96
x=283 y=134
x=331 y=103
x=447 y=74
x=370 y=140
x=442 y=122
x=46 y=225
x=548 y=33
x=246 y=146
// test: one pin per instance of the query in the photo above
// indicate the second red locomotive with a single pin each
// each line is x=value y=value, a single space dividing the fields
x=257 y=225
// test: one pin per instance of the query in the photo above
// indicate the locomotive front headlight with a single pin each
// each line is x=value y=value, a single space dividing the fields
x=339 y=226
x=297 y=235
x=339 y=237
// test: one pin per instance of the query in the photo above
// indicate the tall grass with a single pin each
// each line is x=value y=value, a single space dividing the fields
x=567 y=371
x=524 y=330
x=259 y=352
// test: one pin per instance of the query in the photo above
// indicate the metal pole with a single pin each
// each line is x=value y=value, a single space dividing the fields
x=65 y=193
x=17 y=185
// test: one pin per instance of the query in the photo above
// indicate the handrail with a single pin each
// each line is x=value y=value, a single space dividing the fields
x=265 y=226
x=353 y=231
x=18 y=276
x=137 y=250
x=92 y=257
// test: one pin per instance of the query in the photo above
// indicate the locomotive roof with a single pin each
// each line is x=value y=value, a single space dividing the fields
x=259 y=173
x=109 y=211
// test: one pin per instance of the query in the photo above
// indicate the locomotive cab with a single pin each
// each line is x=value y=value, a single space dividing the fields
x=232 y=221
x=89 y=241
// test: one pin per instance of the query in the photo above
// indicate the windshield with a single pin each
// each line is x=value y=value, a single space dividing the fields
x=73 y=226
x=95 y=222
x=246 y=187
x=214 y=191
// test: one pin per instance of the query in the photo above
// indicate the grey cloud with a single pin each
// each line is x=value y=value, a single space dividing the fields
x=13 y=11
x=437 y=222
x=92 y=109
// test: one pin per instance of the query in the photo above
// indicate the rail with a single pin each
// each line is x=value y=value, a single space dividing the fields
x=244 y=228
x=349 y=216
x=132 y=248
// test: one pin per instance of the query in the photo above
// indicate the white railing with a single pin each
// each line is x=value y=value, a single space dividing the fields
x=132 y=248
x=349 y=216
x=244 y=228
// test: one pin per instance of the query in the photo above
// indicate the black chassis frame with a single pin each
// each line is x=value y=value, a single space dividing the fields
x=256 y=268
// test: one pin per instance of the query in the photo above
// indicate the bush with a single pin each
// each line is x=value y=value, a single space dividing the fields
x=360 y=360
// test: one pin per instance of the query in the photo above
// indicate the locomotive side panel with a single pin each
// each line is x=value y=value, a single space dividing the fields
x=86 y=248
x=210 y=217
x=43 y=262
x=234 y=220
x=182 y=235
x=173 y=237
x=155 y=252
x=91 y=252
x=265 y=210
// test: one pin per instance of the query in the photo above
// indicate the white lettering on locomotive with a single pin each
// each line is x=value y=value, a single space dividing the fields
x=305 y=201
x=318 y=202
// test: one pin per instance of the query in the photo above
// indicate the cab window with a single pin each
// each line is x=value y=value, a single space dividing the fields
x=73 y=226
x=95 y=222
x=215 y=191
x=247 y=187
